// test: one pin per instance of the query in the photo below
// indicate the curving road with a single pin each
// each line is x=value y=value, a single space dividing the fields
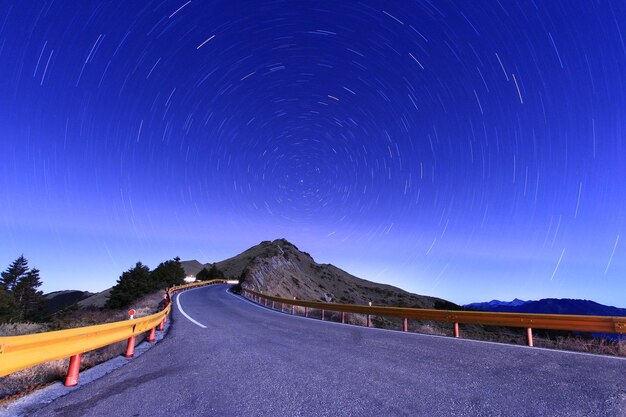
x=239 y=359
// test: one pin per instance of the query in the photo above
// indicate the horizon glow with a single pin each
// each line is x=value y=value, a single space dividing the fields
x=464 y=151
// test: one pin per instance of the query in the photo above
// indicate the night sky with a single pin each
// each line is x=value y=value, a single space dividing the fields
x=469 y=150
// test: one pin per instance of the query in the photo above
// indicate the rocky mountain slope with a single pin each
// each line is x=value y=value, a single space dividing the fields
x=279 y=268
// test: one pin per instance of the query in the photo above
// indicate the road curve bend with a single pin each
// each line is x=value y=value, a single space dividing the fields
x=225 y=356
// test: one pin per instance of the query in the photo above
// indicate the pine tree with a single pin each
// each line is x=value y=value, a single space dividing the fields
x=13 y=273
x=203 y=275
x=131 y=285
x=167 y=274
x=29 y=300
x=8 y=309
x=20 y=298
x=209 y=274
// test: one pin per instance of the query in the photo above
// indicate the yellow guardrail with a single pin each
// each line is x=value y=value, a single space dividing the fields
x=580 y=323
x=21 y=352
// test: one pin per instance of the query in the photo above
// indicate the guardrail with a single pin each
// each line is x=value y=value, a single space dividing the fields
x=21 y=352
x=580 y=323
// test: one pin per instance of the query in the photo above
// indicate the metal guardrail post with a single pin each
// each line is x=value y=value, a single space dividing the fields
x=72 y=372
x=130 y=345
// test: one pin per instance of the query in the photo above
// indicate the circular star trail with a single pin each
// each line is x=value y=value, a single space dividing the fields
x=462 y=150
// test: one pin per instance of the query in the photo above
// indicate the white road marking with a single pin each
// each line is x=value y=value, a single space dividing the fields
x=180 y=308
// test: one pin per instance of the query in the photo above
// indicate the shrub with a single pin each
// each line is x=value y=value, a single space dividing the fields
x=209 y=274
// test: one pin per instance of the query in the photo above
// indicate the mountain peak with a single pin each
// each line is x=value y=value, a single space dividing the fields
x=279 y=268
x=284 y=242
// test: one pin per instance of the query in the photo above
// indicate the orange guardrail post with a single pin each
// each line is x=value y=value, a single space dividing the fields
x=529 y=336
x=322 y=314
x=456 y=329
x=72 y=372
x=152 y=336
x=405 y=326
x=130 y=347
x=343 y=317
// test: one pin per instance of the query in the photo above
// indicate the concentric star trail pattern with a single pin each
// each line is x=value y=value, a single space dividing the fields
x=468 y=150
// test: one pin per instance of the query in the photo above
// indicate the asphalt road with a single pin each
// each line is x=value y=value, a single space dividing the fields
x=250 y=361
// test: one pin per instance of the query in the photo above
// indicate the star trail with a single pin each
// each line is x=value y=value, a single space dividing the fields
x=466 y=150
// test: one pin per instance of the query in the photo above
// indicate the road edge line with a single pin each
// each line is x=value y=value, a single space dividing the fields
x=180 y=308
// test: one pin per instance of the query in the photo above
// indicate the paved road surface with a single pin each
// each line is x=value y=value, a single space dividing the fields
x=249 y=361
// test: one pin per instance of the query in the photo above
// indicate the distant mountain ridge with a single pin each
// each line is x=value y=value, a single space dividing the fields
x=495 y=303
x=58 y=300
x=550 y=306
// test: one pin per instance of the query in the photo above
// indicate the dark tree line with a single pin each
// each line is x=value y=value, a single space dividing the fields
x=209 y=274
x=20 y=299
x=139 y=281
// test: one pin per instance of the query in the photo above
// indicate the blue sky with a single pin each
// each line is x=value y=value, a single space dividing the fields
x=464 y=152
